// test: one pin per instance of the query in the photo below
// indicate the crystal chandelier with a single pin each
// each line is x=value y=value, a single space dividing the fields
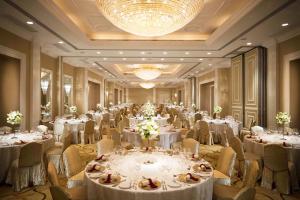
x=44 y=86
x=150 y=17
x=147 y=73
x=147 y=85
x=68 y=89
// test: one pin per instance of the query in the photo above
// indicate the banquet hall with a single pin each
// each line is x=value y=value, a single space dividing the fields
x=150 y=99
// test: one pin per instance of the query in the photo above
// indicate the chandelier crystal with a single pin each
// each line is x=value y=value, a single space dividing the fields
x=147 y=73
x=147 y=85
x=150 y=17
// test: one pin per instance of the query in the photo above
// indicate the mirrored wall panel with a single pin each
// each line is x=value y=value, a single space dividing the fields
x=68 y=92
x=46 y=94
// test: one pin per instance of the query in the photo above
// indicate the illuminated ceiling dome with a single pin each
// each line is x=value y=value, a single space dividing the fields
x=150 y=17
x=147 y=73
x=147 y=85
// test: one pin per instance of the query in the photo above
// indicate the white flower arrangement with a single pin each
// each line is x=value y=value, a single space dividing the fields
x=73 y=109
x=148 y=129
x=217 y=109
x=110 y=103
x=99 y=107
x=181 y=104
x=148 y=110
x=175 y=103
x=193 y=105
x=14 y=118
x=283 y=118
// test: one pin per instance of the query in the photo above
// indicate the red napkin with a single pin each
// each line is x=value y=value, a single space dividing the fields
x=108 y=179
x=192 y=177
x=99 y=158
x=152 y=185
x=91 y=168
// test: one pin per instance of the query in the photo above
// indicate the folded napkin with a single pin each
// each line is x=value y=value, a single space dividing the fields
x=102 y=158
x=108 y=178
x=189 y=176
x=149 y=182
x=94 y=168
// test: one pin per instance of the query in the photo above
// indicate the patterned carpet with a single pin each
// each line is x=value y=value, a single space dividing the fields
x=88 y=152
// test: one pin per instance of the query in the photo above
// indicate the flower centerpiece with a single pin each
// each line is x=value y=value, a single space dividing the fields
x=175 y=103
x=46 y=109
x=73 y=110
x=99 y=107
x=194 y=107
x=181 y=103
x=14 y=118
x=217 y=111
x=282 y=120
x=148 y=110
x=148 y=129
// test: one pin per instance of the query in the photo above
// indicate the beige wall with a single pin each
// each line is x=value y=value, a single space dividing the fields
x=295 y=93
x=94 y=95
x=140 y=95
x=9 y=86
x=21 y=45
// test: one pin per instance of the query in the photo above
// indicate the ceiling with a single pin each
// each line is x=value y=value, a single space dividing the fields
x=220 y=31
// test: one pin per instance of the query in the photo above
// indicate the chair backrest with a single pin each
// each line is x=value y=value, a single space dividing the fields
x=89 y=127
x=105 y=146
x=6 y=129
x=275 y=157
x=204 y=128
x=226 y=161
x=236 y=144
x=58 y=193
x=89 y=115
x=52 y=174
x=30 y=155
x=66 y=140
x=252 y=171
x=198 y=116
x=115 y=136
x=120 y=126
x=229 y=133
x=177 y=122
x=125 y=121
x=42 y=128
x=246 y=193
x=191 y=144
x=72 y=161
x=58 y=127
x=105 y=118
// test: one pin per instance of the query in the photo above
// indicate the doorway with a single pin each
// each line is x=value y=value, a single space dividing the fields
x=294 y=93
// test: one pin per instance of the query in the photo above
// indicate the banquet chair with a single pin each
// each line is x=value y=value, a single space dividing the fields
x=105 y=146
x=54 y=154
x=125 y=121
x=6 y=129
x=117 y=138
x=277 y=169
x=205 y=136
x=225 y=165
x=236 y=144
x=27 y=169
x=89 y=116
x=121 y=126
x=177 y=123
x=221 y=192
x=73 y=167
x=197 y=117
x=191 y=145
x=97 y=129
x=58 y=129
x=78 y=192
x=87 y=135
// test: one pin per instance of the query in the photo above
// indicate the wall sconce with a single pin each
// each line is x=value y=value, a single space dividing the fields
x=68 y=89
x=44 y=86
x=175 y=95
x=106 y=93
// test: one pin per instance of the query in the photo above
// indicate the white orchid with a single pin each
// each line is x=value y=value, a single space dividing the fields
x=283 y=118
x=14 y=118
x=148 y=129
x=218 y=109
x=73 y=109
x=148 y=110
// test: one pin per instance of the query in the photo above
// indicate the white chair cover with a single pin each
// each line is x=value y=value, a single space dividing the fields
x=105 y=146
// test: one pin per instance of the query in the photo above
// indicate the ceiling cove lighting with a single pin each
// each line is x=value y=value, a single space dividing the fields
x=147 y=73
x=284 y=24
x=152 y=17
x=30 y=22
x=147 y=85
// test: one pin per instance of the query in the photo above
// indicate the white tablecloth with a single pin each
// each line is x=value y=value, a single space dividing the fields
x=74 y=125
x=10 y=152
x=161 y=121
x=132 y=168
x=167 y=136
x=253 y=145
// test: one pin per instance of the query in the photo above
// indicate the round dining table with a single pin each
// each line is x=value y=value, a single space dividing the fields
x=167 y=136
x=10 y=145
x=135 y=166
x=161 y=121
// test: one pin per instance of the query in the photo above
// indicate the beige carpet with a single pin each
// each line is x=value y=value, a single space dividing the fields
x=88 y=152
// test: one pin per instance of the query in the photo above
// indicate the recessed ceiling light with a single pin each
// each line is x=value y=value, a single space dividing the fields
x=94 y=64
x=29 y=22
x=143 y=52
x=162 y=59
x=285 y=24
x=165 y=53
x=60 y=42
x=197 y=71
x=181 y=59
x=104 y=58
x=98 y=52
x=209 y=64
x=143 y=58
x=249 y=43
x=121 y=52
x=200 y=59
x=124 y=58
x=208 y=53
x=187 y=53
